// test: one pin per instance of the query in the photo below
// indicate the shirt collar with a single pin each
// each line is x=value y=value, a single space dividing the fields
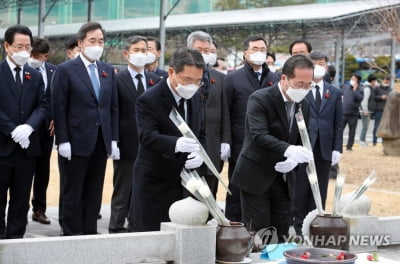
x=86 y=62
x=12 y=65
x=280 y=89
x=174 y=94
x=134 y=73
x=320 y=84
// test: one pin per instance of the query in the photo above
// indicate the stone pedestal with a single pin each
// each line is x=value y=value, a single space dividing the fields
x=193 y=244
x=364 y=233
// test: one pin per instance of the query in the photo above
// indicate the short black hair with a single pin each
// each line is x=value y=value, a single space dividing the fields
x=308 y=45
x=185 y=56
x=89 y=26
x=332 y=71
x=11 y=31
x=272 y=55
x=71 y=43
x=318 y=55
x=358 y=76
x=246 y=42
x=40 y=46
x=299 y=61
x=133 y=40
x=158 y=44
x=372 y=77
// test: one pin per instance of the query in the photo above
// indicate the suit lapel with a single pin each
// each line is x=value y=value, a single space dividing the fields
x=311 y=100
x=128 y=82
x=83 y=74
x=9 y=78
x=324 y=100
x=281 y=108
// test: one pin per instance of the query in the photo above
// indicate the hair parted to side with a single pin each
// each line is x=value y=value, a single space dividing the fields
x=133 y=40
x=11 y=31
x=158 y=44
x=198 y=35
x=40 y=46
x=185 y=56
x=299 y=61
x=89 y=26
x=246 y=42
x=308 y=45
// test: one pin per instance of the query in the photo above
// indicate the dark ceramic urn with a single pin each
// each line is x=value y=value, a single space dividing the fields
x=233 y=242
x=327 y=231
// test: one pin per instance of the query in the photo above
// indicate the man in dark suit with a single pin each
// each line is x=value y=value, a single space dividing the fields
x=326 y=136
x=38 y=60
x=238 y=86
x=154 y=53
x=213 y=112
x=163 y=151
x=85 y=103
x=131 y=83
x=23 y=109
x=264 y=177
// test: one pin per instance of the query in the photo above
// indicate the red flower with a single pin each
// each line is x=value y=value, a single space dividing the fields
x=27 y=76
x=327 y=94
x=213 y=81
x=104 y=74
x=269 y=84
x=340 y=256
x=151 y=82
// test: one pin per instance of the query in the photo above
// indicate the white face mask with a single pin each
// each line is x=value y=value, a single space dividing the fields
x=272 y=68
x=210 y=58
x=34 y=63
x=297 y=95
x=319 y=72
x=150 y=58
x=138 y=59
x=93 y=52
x=352 y=83
x=186 y=91
x=20 y=58
x=258 y=58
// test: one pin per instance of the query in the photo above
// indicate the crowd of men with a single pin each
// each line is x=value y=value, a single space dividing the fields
x=245 y=117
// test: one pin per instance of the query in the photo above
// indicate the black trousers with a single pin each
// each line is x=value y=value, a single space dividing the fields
x=233 y=209
x=303 y=199
x=352 y=121
x=82 y=187
x=16 y=173
x=268 y=210
x=42 y=172
x=121 y=196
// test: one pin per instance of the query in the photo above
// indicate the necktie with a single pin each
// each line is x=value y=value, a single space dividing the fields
x=94 y=80
x=140 y=87
x=18 y=82
x=317 y=97
x=289 y=106
x=181 y=108
x=258 y=75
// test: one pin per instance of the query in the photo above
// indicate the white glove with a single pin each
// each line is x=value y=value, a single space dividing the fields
x=194 y=161
x=21 y=133
x=336 y=155
x=184 y=144
x=64 y=150
x=285 y=166
x=299 y=154
x=225 y=151
x=114 y=151
x=25 y=143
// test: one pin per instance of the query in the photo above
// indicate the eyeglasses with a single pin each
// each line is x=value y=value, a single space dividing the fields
x=302 y=85
x=255 y=49
x=21 y=47
x=187 y=81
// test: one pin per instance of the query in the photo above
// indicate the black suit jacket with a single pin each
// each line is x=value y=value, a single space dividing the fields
x=157 y=168
x=30 y=109
x=238 y=86
x=77 y=112
x=266 y=139
x=127 y=96
x=50 y=69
